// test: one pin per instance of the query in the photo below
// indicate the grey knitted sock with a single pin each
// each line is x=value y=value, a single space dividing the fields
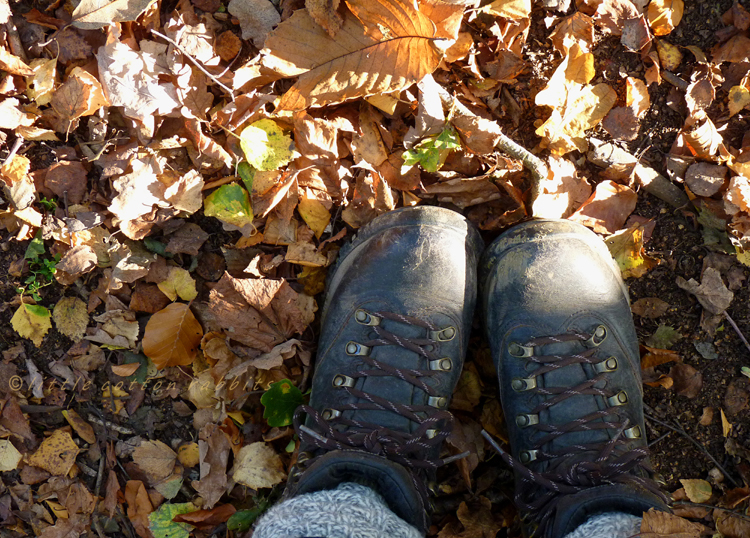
x=349 y=511
x=608 y=525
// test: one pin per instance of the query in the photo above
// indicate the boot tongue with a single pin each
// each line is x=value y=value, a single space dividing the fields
x=391 y=480
x=574 y=510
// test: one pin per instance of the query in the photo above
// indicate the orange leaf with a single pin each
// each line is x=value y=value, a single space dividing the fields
x=172 y=336
x=139 y=507
x=654 y=357
x=207 y=519
x=665 y=15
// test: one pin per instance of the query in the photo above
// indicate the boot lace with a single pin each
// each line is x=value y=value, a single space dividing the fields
x=409 y=449
x=576 y=467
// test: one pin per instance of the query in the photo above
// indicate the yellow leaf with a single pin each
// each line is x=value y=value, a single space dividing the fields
x=189 y=455
x=665 y=15
x=9 y=456
x=669 y=55
x=258 y=466
x=57 y=454
x=576 y=69
x=32 y=322
x=383 y=47
x=43 y=82
x=178 y=283
x=509 y=9
x=726 y=426
x=13 y=64
x=636 y=95
x=626 y=247
x=265 y=145
x=315 y=215
x=580 y=68
x=71 y=317
x=113 y=394
x=81 y=427
x=172 y=336
x=739 y=98
x=698 y=491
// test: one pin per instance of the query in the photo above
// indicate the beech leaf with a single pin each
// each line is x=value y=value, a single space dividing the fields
x=383 y=47
x=665 y=15
x=172 y=336
x=95 y=14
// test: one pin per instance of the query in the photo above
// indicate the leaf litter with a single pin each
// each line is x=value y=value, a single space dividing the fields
x=274 y=147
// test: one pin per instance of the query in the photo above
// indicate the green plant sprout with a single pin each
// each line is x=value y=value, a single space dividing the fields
x=48 y=205
x=42 y=269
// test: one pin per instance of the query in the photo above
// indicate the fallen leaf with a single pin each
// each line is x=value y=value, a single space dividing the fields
x=635 y=34
x=389 y=45
x=325 y=14
x=637 y=96
x=737 y=396
x=509 y=9
x=315 y=214
x=280 y=402
x=654 y=357
x=155 y=459
x=664 y=337
x=80 y=95
x=698 y=491
x=265 y=145
x=231 y=205
x=726 y=426
x=611 y=15
x=13 y=64
x=626 y=247
x=180 y=284
x=32 y=322
x=215 y=448
x=705 y=179
x=187 y=240
x=125 y=370
x=71 y=317
x=575 y=29
x=163 y=521
x=9 y=456
x=95 y=14
x=734 y=50
x=188 y=454
x=739 y=98
x=669 y=55
x=712 y=294
x=658 y=524
x=80 y=426
x=172 y=336
x=139 y=507
x=56 y=454
x=257 y=18
x=207 y=519
x=687 y=380
x=649 y=307
x=607 y=208
x=707 y=416
x=665 y=15
x=258 y=466
x=730 y=525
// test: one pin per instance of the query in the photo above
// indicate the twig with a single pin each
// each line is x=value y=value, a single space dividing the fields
x=682 y=432
x=14 y=40
x=196 y=64
x=735 y=512
x=16 y=146
x=530 y=161
x=111 y=425
x=674 y=80
x=652 y=443
x=737 y=330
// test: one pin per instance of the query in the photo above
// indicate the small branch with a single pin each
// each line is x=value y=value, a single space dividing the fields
x=196 y=64
x=674 y=80
x=737 y=330
x=16 y=146
x=14 y=40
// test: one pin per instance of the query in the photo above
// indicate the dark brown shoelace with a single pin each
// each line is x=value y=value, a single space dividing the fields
x=537 y=493
x=405 y=448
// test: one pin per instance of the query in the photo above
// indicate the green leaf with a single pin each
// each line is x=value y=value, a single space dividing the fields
x=35 y=248
x=242 y=520
x=230 y=204
x=664 y=337
x=162 y=526
x=431 y=152
x=280 y=402
x=247 y=174
x=145 y=370
x=157 y=247
x=265 y=145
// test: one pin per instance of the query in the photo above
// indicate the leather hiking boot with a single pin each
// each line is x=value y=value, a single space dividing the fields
x=395 y=326
x=561 y=334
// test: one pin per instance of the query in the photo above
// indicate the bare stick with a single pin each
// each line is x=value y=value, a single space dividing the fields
x=14 y=40
x=196 y=64
x=737 y=330
x=530 y=161
x=16 y=146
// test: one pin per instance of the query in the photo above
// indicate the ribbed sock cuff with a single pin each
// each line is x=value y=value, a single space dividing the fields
x=608 y=525
x=349 y=511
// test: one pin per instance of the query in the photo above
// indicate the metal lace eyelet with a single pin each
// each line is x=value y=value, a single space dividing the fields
x=633 y=433
x=302 y=457
x=606 y=366
x=443 y=335
x=340 y=380
x=527 y=456
x=354 y=348
x=621 y=398
x=521 y=384
x=443 y=365
x=526 y=419
x=431 y=433
x=365 y=318
x=600 y=334
x=330 y=414
x=437 y=401
x=517 y=350
x=432 y=487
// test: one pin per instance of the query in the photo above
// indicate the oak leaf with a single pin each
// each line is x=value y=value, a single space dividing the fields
x=383 y=47
x=172 y=336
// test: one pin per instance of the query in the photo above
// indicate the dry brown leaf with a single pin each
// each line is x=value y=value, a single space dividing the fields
x=701 y=135
x=207 y=519
x=260 y=313
x=13 y=64
x=699 y=95
x=650 y=307
x=172 y=336
x=80 y=95
x=11 y=115
x=125 y=370
x=362 y=60
x=95 y=14
x=730 y=525
x=56 y=454
x=665 y=15
x=712 y=294
x=611 y=15
x=651 y=357
x=257 y=18
x=509 y=9
x=658 y=524
x=608 y=208
x=705 y=179
x=576 y=29
x=621 y=123
x=562 y=192
x=324 y=13
x=67 y=178
x=214 y=447
x=687 y=380
x=737 y=49
x=139 y=507
x=635 y=34
x=81 y=427
x=155 y=459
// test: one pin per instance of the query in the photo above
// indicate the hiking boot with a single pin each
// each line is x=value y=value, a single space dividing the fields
x=394 y=333
x=562 y=337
